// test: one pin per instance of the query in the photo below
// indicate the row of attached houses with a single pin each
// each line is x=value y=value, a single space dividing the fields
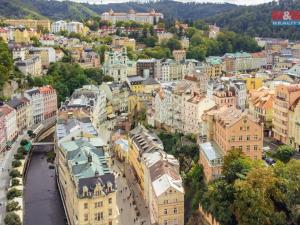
x=158 y=176
x=25 y=109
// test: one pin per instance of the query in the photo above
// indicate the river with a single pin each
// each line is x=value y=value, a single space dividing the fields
x=43 y=205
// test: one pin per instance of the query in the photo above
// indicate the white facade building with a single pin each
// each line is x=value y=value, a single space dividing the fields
x=152 y=17
x=58 y=26
x=37 y=103
x=10 y=122
x=70 y=27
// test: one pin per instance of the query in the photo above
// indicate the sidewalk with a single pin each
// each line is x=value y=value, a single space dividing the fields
x=136 y=194
x=5 y=163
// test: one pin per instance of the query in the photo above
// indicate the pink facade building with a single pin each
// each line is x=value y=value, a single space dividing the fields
x=227 y=129
x=49 y=100
x=2 y=132
x=10 y=122
x=225 y=98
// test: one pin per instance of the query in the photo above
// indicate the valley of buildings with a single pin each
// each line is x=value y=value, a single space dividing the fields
x=229 y=102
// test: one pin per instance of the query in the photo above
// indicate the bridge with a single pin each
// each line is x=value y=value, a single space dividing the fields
x=42 y=131
x=42 y=143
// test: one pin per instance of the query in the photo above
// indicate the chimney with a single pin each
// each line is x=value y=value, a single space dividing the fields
x=90 y=158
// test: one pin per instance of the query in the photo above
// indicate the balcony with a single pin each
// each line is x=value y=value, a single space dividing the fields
x=278 y=124
x=280 y=117
x=280 y=108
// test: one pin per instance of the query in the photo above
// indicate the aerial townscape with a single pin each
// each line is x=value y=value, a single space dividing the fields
x=149 y=113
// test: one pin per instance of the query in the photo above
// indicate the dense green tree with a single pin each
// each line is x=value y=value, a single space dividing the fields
x=201 y=25
x=6 y=63
x=107 y=78
x=173 y=44
x=13 y=193
x=150 y=41
x=12 y=218
x=284 y=153
x=15 y=182
x=198 y=52
x=95 y=75
x=35 y=42
x=195 y=186
x=290 y=172
x=12 y=206
x=218 y=200
x=236 y=165
x=14 y=173
x=257 y=196
x=24 y=142
x=16 y=163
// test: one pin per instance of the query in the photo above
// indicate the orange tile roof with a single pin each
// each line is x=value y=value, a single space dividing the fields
x=6 y=109
x=45 y=89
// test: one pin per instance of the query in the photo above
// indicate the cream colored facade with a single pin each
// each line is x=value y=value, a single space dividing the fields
x=179 y=55
x=285 y=97
x=165 y=202
x=34 y=24
x=88 y=190
x=193 y=109
x=261 y=105
x=124 y=42
x=159 y=178
x=294 y=125
x=32 y=66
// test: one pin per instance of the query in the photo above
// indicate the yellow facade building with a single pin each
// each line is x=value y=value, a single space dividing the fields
x=253 y=83
x=86 y=184
x=158 y=175
x=261 y=105
x=124 y=42
x=34 y=24
x=141 y=141
x=21 y=35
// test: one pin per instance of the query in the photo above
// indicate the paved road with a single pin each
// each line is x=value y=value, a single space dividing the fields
x=127 y=193
x=5 y=164
x=126 y=187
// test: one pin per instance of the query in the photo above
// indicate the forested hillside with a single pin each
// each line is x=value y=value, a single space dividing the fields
x=257 y=20
x=56 y=10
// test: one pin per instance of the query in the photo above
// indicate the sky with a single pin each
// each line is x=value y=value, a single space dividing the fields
x=238 y=2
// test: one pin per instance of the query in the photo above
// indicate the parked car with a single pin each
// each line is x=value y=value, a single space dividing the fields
x=270 y=161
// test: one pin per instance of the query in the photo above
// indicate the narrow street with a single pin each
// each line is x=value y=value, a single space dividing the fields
x=128 y=190
x=128 y=194
x=5 y=164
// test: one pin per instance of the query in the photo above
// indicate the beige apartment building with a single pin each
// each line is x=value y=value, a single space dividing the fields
x=166 y=193
x=193 y=108
x=261 y=105
x=86 y=183
x=294 y=124
x=179 y=55
x=124 y=42
x=34 y=24
x=285 y=97
x=31 y=66
x=225 y=98
x=23 y=112
x=159 y=177
x=141 y=141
